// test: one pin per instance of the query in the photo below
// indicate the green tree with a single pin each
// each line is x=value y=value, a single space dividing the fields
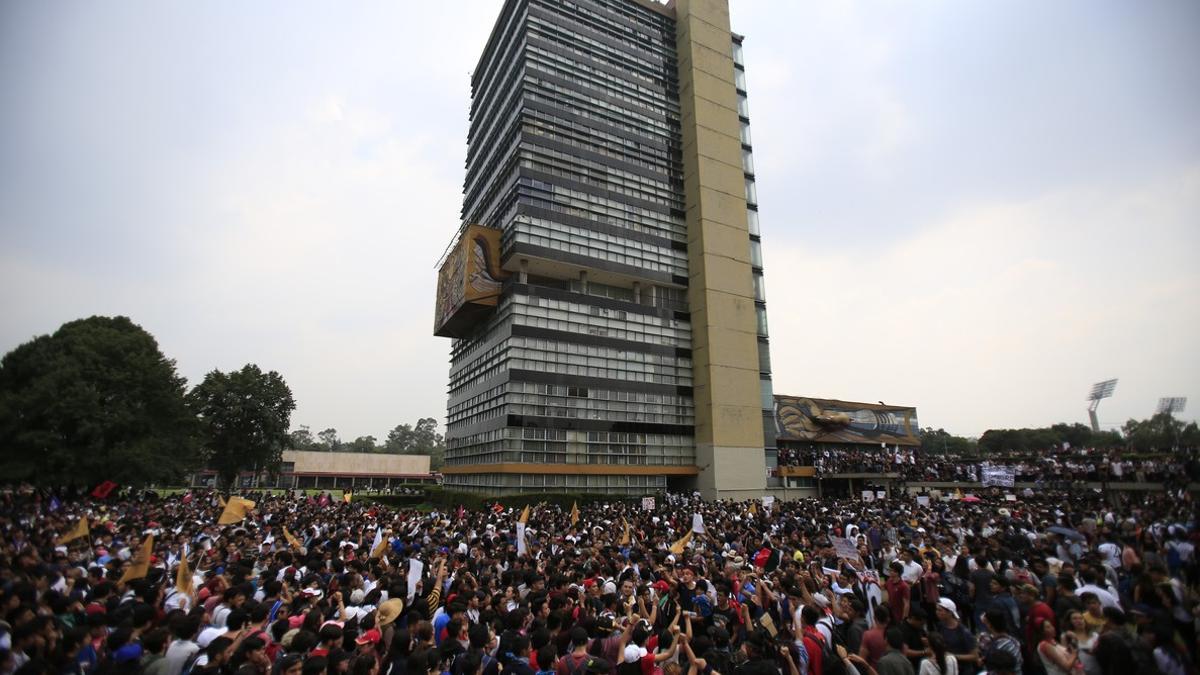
x=96 y=400
x=362 y=444
x=940 y=441
x=1161 y=432
x=244 y=416
x=399 y=440
x=303 y=439
x=329 y=440
x=421 y=439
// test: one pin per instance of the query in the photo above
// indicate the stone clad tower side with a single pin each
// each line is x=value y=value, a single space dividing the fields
x=721 y=296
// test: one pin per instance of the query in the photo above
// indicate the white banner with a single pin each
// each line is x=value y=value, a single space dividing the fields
x=768 y=501
x=415 y=569
x=923 y=500
x=995 y=475
x=522 y=549
x=868 y=495
x=697 y=523
x=647 y=503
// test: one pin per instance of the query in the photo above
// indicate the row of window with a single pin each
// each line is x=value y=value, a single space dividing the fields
x=651 y=97
x=584 y=317
x=646 y=188
x=665 y=261
x=595 y=207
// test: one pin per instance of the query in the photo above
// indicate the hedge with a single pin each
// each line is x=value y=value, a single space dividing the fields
x=441 y=497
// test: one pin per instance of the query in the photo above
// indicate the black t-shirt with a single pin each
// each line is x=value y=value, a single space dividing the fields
x=913 y=639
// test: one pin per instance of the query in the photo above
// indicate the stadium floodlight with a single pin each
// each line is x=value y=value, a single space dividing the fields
x=1100 y=391
x=1172 y=404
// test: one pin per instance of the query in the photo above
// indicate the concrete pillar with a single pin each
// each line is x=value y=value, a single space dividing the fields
x=523 y=274
x=637 y=292
x=583 y=281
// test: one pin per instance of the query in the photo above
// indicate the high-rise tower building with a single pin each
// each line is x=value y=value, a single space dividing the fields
x=605 y=291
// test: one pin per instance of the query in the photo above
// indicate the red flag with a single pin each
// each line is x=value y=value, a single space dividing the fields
x=324 y=500
x=104 y=489
x=459 y=514
x=187 y=499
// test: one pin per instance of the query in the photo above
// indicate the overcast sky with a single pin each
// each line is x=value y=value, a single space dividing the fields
x=975 y=208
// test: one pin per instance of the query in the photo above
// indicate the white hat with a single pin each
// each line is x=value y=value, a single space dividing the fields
x=634 y=653
x=948 y=605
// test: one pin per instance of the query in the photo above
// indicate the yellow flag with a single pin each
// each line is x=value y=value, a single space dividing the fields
x=574 y=514
x=754 y=508
x=183 y=576
x=81 y=530
x=678 y=547
x=140 y=565
x=380 y=548
x=626 y=539
x=524 y=519
x=291 y=539
x=220 y=500
x=235 y=511
x=346 y=497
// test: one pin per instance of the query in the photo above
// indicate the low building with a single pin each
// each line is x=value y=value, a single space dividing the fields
x=307 y=469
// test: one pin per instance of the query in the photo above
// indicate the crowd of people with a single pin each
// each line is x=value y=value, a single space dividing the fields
x=1054 y=464
x=1057 y=583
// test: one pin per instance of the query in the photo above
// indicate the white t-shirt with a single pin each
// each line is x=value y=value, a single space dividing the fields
x=1106 y=599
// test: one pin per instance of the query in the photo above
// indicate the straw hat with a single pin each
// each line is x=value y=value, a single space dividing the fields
x=389 y=611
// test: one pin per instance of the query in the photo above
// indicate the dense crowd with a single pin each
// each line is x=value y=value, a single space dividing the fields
x=1059 y=464
x=1055 y=584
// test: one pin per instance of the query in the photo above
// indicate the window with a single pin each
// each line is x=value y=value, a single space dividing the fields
x=745 y=134
x=756 y=257
x=752 y=221
x=762 y=319
x=737 y=54
x=760 y=289
x=739 y=78
x=751 y=193
x=747 y=161
x=743 y=106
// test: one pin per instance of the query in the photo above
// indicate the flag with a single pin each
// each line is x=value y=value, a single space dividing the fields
x=221 y=501
x=626 y=539
x=574 y=513
x=678 y=547
x=140 y=565
x=80 y=530
x=346 y=497
x=104 y=489
x=524 y=519
x=460 y=513
x=291 y=539
x=183 y=576
x=236 y=510
x=379 y=546
x=753 y=508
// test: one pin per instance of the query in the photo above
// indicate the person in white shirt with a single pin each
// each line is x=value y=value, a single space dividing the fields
x=1089 y=586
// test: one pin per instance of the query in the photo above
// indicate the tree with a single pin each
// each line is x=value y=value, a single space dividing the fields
x=940 y=441
x=244 y=418
x=1160 y=432
x=421 y=439
x=303 y=439
x=96 y=400
x=329 y=440
x=362 y=444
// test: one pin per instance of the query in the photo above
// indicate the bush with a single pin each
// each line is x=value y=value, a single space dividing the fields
x=450 y=499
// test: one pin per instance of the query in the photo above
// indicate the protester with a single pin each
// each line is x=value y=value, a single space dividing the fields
x=256 y=584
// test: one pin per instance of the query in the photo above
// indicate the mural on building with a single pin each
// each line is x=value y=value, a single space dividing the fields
x=821 y=420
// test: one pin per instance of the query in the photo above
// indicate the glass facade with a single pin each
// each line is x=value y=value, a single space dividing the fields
x=574 y=154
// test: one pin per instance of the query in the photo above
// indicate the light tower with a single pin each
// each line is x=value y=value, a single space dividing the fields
x=1100 y=390
x=1171 y=404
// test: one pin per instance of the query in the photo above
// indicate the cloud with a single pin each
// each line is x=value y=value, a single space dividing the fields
x=1002 y=314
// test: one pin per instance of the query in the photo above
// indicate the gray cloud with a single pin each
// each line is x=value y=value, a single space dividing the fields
x=940 y=183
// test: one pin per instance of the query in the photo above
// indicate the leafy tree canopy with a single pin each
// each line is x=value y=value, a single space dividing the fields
x=244 y=417
x=97 y=400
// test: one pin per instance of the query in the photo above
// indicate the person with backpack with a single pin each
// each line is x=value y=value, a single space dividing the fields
x=575 y=661
x=997 y=640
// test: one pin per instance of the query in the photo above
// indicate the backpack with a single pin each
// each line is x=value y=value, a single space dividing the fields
x=831 y=663
x=578 y=668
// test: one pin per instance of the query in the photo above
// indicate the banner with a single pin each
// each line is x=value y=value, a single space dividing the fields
x=923 y=500
x=845 y=548
x=868 y=495
x=995 y=475
x=697 y=523
x=768 y=501
x=647 y=503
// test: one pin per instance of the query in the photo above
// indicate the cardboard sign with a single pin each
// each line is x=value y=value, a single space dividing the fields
x=647 y=503
x=923 y=500
x=844 y=548
x=1010 y=498
x=868 y=495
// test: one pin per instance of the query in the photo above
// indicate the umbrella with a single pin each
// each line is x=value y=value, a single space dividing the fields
x=971 y=499
x=1067 y=532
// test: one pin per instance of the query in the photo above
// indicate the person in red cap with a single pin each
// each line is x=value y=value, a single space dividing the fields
x=368 y=643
